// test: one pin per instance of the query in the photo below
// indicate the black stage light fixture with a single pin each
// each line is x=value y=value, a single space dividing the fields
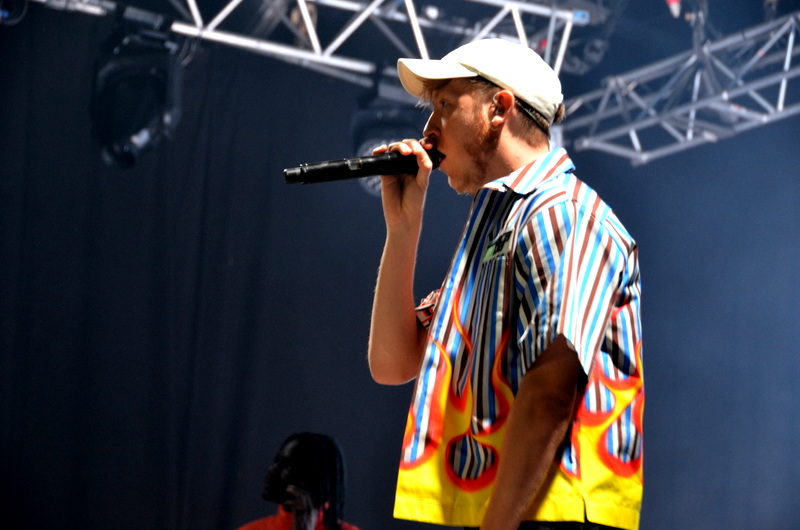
x=12 y=11
x=136 y=97
x=383 y=124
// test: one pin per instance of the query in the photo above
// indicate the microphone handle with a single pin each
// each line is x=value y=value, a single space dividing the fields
x=391 y=163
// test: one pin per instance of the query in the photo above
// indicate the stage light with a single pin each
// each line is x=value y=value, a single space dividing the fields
x=136 y=94
x=381 y=125
x=12 y=11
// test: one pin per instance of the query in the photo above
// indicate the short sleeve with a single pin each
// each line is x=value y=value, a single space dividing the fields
x=568 y=275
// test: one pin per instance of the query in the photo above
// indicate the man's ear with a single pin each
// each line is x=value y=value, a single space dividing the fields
x=501 y=105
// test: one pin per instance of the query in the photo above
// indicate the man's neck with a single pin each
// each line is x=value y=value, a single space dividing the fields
x=512 y=155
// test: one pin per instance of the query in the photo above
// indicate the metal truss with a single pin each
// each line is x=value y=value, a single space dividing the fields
x=712 y=92
x=409 y=32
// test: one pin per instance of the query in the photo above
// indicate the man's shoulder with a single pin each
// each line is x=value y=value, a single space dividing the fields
x=549 y=200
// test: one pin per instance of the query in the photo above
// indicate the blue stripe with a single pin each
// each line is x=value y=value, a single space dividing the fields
x=566 y=220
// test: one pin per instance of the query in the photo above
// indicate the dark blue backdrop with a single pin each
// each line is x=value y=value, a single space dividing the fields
x=164 y=328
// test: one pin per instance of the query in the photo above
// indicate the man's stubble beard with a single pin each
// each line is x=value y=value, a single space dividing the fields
x=480 y=148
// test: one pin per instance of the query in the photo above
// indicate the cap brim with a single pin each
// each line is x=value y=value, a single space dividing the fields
x=414 y=72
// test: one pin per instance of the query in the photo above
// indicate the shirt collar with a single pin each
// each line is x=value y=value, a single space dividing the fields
x=528 y=178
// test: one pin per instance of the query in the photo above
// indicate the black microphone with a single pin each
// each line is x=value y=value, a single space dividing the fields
x=391 y=163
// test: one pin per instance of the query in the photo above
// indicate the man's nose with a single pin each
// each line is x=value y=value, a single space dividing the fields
x=431 y=129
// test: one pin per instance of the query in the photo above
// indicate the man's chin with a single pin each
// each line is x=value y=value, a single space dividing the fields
x=459 y=186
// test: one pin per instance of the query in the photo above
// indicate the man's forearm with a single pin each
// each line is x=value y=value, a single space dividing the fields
x=537 y=424
x=395 y=343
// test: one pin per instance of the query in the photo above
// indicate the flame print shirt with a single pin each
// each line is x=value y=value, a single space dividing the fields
x=541 y=255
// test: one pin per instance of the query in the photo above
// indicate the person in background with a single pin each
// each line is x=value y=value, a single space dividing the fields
x=307 y=481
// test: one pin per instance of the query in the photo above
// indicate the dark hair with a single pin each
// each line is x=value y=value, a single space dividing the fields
x=320 y=463
x=536 y=123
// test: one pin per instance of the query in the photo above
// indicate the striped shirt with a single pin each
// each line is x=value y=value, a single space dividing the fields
x=541 y=255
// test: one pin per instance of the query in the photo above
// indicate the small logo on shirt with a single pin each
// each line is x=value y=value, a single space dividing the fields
x=498 y=246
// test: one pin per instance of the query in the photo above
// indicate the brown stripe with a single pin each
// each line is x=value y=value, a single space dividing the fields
x=522 y=174
x=593 y=292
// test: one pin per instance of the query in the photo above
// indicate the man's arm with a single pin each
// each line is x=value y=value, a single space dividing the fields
x=396 y=338
x=537 y=424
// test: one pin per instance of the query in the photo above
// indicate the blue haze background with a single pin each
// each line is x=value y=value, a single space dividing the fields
x=164 y=328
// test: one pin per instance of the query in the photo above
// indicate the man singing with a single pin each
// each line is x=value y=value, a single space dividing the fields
x=527 y=409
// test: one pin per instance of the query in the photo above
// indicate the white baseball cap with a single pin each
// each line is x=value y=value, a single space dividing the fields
x=507 y=64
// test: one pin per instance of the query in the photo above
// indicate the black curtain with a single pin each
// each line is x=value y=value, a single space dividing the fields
x=162 y=322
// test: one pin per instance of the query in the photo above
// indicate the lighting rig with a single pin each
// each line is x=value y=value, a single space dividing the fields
x=717 y=89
